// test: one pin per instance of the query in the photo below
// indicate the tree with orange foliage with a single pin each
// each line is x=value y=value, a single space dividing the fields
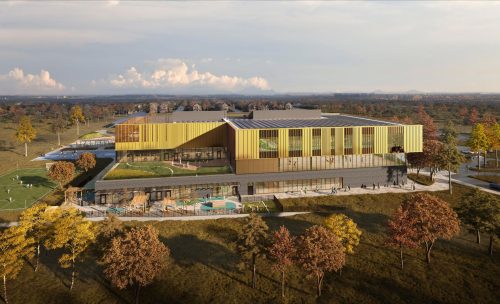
x=473 y=116
x=62 y=172
x=433 y=219
x=319 y=252
x=283 y=251
x=86 y=161
x=401 y=232
x=135 y=259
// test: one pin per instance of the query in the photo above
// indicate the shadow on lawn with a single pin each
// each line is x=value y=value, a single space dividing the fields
x=86 y=271
x=373 y=288
x=187 y=249
x=37 y=181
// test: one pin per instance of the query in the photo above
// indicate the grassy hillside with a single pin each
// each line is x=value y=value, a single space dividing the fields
x=203 y=266
x=12 y=152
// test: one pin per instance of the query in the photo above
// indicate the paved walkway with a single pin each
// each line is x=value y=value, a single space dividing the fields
x=197 y=217
x=439 y=185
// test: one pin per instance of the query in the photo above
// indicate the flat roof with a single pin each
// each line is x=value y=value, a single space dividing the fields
x=335 y=120
x=181 y=116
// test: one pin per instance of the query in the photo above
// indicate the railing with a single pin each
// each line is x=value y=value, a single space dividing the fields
x=158 y=213
x=257 y=198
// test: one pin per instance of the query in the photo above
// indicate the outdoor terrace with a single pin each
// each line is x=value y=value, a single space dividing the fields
x=163 y=169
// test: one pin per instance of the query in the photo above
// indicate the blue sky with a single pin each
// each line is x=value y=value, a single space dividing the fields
x=113 y=47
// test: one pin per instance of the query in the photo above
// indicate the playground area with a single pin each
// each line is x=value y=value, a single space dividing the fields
x=21 y=188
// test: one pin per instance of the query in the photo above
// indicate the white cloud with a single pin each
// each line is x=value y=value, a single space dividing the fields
x=17 y=81
x=175 y=73
x=112 y=3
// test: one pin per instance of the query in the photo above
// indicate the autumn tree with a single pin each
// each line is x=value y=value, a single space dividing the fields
x=86 y=161
x=431 y=145
x=37 y=223
x=73 y=234
x=109 y=228
x=492 y=131
x=252 y=243
x=62 y=172
x=58 y=127
x=76 y=117
x=15 y=247
x=401 y=232
x=319 y=252
x=434 y=219
x=25 y=133
x=473 y=116
x=282 y=251
x=448 y=156
x=480 y=212
x=135 y=258
x=345 y=229
x=478 y=141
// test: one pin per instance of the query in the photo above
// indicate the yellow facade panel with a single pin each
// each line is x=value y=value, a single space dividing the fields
x=381 y=145
x=413 y=135
x=325 y=141
x=339 y=141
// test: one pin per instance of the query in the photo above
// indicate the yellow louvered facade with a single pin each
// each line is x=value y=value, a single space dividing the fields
x=176 y=135
x=246 y=141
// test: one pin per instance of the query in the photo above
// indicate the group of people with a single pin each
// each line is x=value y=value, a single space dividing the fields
x=335 y=189
x=363 y=186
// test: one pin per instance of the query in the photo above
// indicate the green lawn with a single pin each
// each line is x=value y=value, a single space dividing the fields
x=93 y=135
x=19 y=192
x=159 y=169
x=203 y=266
x=487 y=178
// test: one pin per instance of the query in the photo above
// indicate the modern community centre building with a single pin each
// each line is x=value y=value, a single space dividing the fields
x=183 y=154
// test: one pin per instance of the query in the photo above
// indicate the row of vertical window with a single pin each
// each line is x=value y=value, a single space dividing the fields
x=268 y=142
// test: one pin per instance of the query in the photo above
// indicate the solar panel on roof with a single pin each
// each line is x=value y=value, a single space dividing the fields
x=332 y=121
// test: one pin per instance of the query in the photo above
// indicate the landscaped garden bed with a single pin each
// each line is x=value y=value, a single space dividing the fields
x=421 y=179
x=161 y=169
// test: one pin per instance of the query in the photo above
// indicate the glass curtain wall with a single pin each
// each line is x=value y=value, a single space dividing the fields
x=298 y=185
x=268 y=143
x=295 y=142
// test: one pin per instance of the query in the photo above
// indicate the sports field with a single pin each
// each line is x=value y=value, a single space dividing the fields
x=13 y=193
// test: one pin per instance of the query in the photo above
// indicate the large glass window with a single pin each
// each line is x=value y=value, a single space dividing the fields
x=348 y=141
x=368 y=135
x=268 y=143
x=316 y=142
x=332 y=141
x=295 y=142
x=396 y=139
x=127 y=133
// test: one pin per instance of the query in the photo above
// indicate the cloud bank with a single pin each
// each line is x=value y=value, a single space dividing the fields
x=17 y=81
x=169 y=73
